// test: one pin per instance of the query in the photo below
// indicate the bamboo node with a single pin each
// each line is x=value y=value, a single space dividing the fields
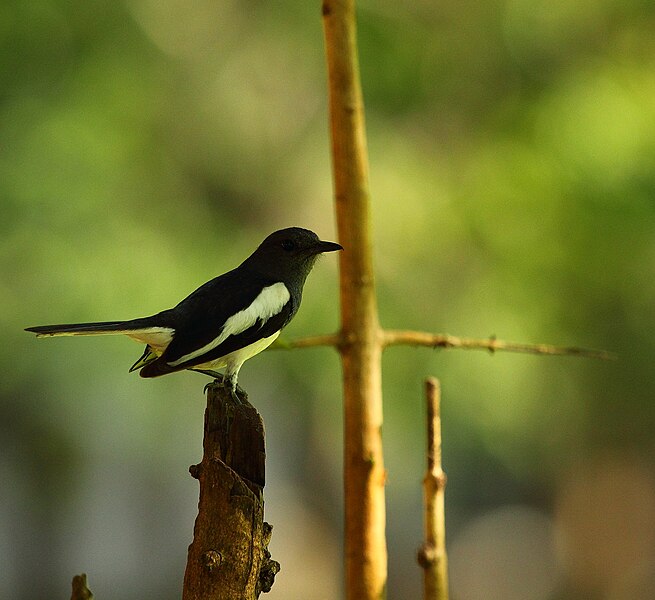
x=427 y=556
x=438 y=479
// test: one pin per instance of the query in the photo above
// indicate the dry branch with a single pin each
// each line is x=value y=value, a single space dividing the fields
x=228 y=558
x=444 y=340
x=432 y=555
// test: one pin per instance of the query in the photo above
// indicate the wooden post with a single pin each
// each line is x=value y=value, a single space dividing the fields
x=432 y=555
x=228 y=558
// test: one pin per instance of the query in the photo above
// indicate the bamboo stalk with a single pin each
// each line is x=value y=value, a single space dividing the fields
x=432 y=555
x=360 y=340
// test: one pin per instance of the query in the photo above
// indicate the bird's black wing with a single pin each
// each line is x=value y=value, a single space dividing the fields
x=202 y=318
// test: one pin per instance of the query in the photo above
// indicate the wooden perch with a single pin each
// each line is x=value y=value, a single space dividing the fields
x=228 y=558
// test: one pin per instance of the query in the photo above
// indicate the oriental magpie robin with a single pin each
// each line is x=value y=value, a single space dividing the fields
x=227 y=320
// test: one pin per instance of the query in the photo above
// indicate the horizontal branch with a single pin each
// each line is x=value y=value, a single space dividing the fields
x=444 y=340
x=332 y=339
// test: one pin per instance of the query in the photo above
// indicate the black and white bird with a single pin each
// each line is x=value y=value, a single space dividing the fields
x=227 y=320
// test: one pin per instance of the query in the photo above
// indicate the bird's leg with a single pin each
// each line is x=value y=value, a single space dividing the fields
x=230 y=382
x=215 y=374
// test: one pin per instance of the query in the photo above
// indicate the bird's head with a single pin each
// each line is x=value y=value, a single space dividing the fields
x=289 y=254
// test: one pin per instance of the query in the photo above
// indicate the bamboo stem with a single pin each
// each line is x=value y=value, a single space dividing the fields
x=432 y=555
x=361 y=348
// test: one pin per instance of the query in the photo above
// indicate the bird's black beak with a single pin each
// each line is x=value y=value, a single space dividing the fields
x=326 y=247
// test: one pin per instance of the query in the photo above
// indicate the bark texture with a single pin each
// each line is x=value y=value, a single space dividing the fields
x=228 y=558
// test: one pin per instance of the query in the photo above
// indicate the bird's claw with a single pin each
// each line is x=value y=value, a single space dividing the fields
x=235 y=397
x=234 y=390
x=208 y=385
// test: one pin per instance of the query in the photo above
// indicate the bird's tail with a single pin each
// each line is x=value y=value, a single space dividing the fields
x=101 y=328
x=156 y=331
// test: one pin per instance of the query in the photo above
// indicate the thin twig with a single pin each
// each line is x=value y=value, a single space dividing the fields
x=307 y=342
x=443 y=340
x=432 y=555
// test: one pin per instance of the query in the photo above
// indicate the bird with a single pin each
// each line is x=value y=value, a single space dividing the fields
x=226 y=321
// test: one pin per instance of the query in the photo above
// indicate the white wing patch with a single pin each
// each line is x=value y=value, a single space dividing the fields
x=267 y=304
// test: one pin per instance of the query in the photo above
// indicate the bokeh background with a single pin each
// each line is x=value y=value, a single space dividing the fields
x=147 y=146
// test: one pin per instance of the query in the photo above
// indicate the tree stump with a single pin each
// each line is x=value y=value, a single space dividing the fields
x=228 y=558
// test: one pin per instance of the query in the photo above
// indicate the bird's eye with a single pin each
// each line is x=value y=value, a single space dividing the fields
x=288 y=245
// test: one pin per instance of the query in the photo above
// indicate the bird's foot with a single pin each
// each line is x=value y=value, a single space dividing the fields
x=235 y=391
x=236 y=398
x=239 y=396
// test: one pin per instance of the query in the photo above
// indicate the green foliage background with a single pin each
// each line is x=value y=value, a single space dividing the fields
x=146 y=147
